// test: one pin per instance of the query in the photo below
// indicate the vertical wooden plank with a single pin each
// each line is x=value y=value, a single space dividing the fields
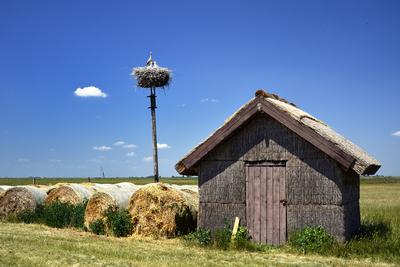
x=247 y=199
x=282 y=207
x=270 y=214
x=275 y=199
x=263 y=206
x=257 y=210
x=250 y=200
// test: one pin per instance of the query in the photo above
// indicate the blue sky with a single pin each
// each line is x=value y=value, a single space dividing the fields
x=338 y=60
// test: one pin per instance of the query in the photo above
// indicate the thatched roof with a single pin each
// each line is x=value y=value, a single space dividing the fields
x=346 y=153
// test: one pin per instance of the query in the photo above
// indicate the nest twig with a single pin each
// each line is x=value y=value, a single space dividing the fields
x=152 y=77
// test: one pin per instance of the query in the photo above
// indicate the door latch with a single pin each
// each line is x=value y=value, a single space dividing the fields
x=283 y=201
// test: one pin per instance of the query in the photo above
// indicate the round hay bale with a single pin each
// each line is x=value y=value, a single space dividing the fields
x=193 y=188
x=71 y=193
x=160 y=210
x=3 y=189
x=128 y=186
x=108 y=198
x=21 y=198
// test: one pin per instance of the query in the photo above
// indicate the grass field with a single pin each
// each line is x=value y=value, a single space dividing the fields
x=38 y=245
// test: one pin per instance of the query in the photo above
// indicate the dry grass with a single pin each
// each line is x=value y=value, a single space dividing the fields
x=45 y=246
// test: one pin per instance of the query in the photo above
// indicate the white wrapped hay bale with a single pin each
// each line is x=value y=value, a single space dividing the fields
x=69 y=193
x=113 y=197
x=21 y=198
x=193 y=188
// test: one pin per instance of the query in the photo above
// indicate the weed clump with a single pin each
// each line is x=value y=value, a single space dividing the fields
x=119 y=222
x=62 y=215
x=312 y=239
x=201 y=237
x=97 y=227
x=222 y=239
x=57 y=214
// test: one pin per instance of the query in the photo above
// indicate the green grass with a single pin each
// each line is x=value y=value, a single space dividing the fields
x=38 y=245
x=380 y=219
x=135 y=180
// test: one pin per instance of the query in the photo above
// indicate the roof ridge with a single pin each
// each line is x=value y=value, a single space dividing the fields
x=264 y=94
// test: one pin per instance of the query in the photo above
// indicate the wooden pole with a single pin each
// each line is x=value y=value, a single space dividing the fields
x=154 y=131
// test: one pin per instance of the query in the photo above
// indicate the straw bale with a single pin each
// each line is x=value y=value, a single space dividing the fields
x=70 y=193
x=108 y=198
x=21 y=198
x=159 y=210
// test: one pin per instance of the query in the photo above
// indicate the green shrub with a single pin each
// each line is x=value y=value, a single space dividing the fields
x=119 y=222
x=97 y=227
x=222 y=238
x=242 y=238
x=201 y=237
x=61 y=215
x=28 y=216
x=312 y=239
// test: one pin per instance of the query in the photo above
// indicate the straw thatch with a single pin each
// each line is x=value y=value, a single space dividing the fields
x=21 y=198
x=363 y=164
x=70 y=193
x=160 y=210
x=152 y=76
x=116 y=196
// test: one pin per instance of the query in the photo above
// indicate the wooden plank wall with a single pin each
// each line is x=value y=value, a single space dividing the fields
x=312 y=178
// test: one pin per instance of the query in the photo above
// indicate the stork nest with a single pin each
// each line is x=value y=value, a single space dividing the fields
x=151 y=77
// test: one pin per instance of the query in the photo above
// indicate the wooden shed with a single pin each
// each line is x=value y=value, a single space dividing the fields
x=278 y=169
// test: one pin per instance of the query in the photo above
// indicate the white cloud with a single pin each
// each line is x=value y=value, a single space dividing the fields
x=54 y=161
x=182 y=105
x=119 y=143
x=23 y=160
x=90 y=91
x=131 y=154
x=129 y=146
x=163 y=146
x=148 y=159
x=212 y=100
x=396 y=134
x=102 y=148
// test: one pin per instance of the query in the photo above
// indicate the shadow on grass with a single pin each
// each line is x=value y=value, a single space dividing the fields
x=373 y=229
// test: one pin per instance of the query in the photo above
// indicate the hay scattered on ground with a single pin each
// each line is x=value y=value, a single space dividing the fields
x=70 y=193
x=152 y=76
x=20 y=198
x=160 y=210
x=113 y=197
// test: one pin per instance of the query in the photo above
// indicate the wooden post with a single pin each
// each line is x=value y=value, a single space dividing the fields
x=153 y=107
x=235 y=229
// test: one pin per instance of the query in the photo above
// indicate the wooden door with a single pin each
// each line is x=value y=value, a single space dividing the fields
x=266 y=202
